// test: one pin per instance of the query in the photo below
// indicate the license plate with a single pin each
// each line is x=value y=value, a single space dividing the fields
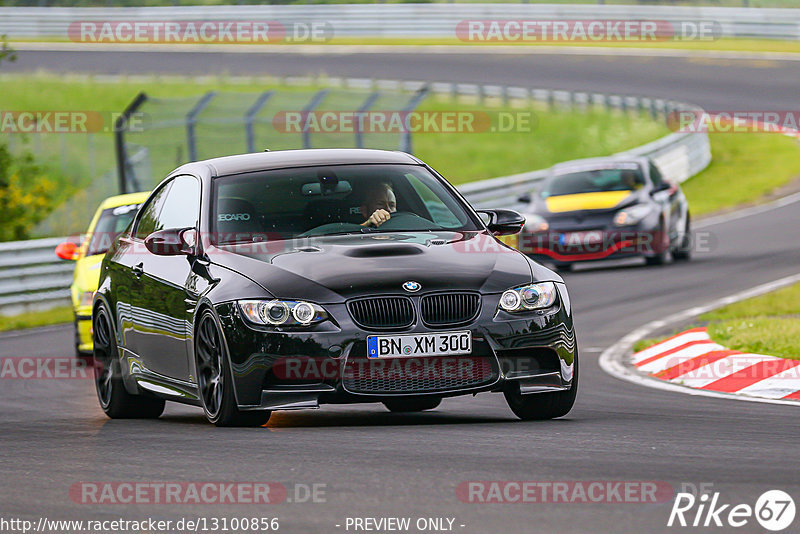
x=411 y=345
x=572 y=239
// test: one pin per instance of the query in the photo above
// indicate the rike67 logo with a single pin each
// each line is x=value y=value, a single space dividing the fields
x=774 y=510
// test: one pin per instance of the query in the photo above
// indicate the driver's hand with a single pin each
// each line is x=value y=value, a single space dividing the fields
x=379 y=217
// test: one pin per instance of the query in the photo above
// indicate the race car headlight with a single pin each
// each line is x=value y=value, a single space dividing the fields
x=632 y=215
x=86 y=299
x=282 y=312
x=530 y=297
x=535 y=224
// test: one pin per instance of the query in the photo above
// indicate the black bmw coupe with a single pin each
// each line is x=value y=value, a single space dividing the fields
x=284 y=280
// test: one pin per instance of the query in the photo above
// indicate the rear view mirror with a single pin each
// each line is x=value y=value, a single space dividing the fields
x=316 y=189
x=67 y=250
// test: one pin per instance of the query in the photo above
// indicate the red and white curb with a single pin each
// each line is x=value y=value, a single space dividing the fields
x=693 y=359
x=616 y=360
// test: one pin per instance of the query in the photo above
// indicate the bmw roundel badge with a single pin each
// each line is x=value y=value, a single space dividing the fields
x=412 y=286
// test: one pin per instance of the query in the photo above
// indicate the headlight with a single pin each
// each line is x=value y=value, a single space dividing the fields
x=530 y=297
x=632 y=215
x=282 y=312
x=86 y=299
x=535 y=223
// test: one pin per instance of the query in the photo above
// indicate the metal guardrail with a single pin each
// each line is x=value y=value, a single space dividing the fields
x=402 y=20
x=32 y=277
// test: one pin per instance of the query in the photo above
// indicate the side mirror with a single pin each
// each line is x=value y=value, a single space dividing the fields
x=172 y=242
x=663 y=186
x=504 y=222
x=525 y=198
x=67 y=250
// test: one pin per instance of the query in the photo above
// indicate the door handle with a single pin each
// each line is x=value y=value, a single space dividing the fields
x=138 y=269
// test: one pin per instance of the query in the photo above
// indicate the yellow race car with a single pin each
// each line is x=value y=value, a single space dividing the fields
x=111 y=218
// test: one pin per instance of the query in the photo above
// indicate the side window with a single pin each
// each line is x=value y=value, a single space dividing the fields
x=149 y=216
x=655 y=175
x=182 y=205
x=440 y=213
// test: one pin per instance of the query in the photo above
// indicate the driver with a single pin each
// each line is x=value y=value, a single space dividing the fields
x=630 y=180
x=379 y=203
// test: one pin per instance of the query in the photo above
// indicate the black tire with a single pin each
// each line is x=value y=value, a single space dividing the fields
x=114 y=399
x=659 y=258
x=541 y=406
x=419 y=404
x=214 y=379
x=684 y=251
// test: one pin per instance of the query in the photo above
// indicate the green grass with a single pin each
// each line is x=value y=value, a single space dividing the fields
x=767 y=324
x=782 y=302
x=744 y=168
x=556 y=136
x=34 y=319
x=776 y=336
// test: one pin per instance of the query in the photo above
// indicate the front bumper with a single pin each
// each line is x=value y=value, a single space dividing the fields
x=83 y=330
x=568 y=246
x=327 y=364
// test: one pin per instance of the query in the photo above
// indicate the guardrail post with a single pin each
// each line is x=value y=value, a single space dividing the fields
x=363 y=109
x=191 y=122
x=315 y=101
x=405 y=140
x=250 y=117
x=120 y=126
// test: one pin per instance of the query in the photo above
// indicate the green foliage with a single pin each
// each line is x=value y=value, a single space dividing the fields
x=26 y=195
x=6 y=52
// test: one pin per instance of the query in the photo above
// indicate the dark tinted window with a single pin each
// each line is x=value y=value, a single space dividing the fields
x=111 y=223
x=619 y=178
x=313 y=201
x=182 y=204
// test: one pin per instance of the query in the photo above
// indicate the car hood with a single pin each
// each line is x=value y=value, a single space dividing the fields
x=592 y=202
x=335 y=268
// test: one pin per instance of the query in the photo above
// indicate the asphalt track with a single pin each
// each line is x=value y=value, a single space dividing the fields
x=376 y=464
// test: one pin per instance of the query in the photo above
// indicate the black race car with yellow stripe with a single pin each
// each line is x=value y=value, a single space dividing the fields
x=600 y=208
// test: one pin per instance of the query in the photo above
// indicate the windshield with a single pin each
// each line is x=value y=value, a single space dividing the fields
x=619 y=178
x=111 y=223
x=340 y=199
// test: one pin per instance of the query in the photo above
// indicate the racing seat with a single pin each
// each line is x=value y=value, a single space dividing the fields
x=237 y=220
